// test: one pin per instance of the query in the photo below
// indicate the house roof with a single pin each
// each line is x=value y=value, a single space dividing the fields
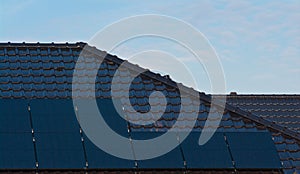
x=44 y=71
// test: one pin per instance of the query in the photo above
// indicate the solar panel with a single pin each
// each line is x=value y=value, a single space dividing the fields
x=14 y=116
x=172 y=159
x=112 y=117
x=99 y=159
x=16 y=151
x=53 y=115
x=253 y=150
x=58 y=140
x=96 y=157
x=59 y=150
x=213 y=154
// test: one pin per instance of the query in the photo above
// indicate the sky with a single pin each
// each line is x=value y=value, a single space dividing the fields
x=257 y=41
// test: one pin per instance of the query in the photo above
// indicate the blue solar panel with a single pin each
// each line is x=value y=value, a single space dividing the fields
x=253 y=150
x=59 y=150
x=14 y=115
x=16 y=151
x=213 y=154
x=99 y=159
x=112 y=117
x=53 y=115
x=96 y=157
x=172 y=159
x=58 y=140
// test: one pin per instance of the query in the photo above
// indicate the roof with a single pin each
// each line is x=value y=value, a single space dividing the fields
x=44 y=71
x=283 y=110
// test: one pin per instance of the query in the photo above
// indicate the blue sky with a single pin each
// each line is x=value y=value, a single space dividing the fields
x=258 y=42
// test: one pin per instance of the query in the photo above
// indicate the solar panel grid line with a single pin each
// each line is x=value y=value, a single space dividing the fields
x=82 y=140
x=230 y=152
x=136 y=165
x=33 y=137
x=182 y=154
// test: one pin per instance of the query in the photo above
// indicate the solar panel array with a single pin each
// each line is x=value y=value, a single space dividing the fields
x=44 y=133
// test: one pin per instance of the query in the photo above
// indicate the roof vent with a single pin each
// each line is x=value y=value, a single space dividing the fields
x=233 y=93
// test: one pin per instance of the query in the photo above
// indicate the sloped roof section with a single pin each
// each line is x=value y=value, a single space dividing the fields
x=283 y=110
x=44 y=71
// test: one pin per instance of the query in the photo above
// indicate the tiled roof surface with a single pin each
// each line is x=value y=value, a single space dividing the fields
x=34 y=71
x=282 y=109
